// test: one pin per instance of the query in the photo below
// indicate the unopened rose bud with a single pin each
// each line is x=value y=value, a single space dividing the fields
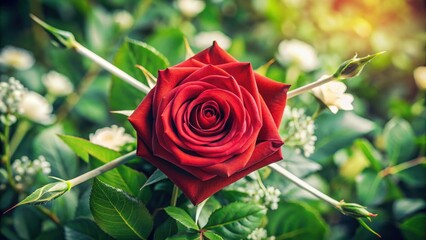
x=353 y=67
x=355 y=210
x=59 y=37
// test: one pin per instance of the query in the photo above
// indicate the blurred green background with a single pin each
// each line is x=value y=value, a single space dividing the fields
x=389 y=113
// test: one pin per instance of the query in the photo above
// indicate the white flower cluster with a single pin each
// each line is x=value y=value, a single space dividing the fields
x=299 y=131
x=11 y=95
x=111 y=137
x=123 y=19
x=17 y=58
x=269 y=197
x=24 y=169
x=260 y=234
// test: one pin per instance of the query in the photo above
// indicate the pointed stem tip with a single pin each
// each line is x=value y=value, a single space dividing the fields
x=60 y=38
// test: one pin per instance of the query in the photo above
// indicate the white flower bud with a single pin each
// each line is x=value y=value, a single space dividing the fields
x=17 y=58
x=205 y=39
x=57 y=84
x=191 y=8
x=420 y=77
x=333 y=95
x=111 y=137
x=298 y=53
x=123 y=19
x=36 y=108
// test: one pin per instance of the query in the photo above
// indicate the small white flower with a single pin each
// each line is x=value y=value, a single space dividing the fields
x=18 y=58
x=57 y=84
x=333 y=95
x=299 y=53
x=111 y=137
x=298 y=130
x=191 y=8
x=420 y=77
x=123 y=19
x=205 y=39
x=36 y=108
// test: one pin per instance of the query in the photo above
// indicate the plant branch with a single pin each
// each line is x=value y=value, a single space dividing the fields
x=110 y=67
x=299 y=182
x=106 y=167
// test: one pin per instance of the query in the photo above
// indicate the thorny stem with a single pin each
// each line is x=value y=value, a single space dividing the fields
x=310 y=86
x=299 y=182
x=110 y=68
x=104 y=168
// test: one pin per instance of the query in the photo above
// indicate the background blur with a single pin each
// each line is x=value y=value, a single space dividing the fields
x=389 y=98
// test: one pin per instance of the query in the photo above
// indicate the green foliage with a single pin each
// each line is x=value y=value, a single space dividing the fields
x=182 y=217
x=84 y=148
x=118 y=214
x=413 y=228
x=399 y=140
x=236 y=220
x=296 y=221
x=130 y=54
x=83 y=228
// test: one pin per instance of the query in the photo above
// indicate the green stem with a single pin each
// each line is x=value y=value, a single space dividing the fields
x=310 y=86
x=110 y=68
x=402 y=166
x=174 y=197
x=74 y=97
x=299 y=182
x=6 y=157
x=49 y=214
x=21 y=131
x=104 y=168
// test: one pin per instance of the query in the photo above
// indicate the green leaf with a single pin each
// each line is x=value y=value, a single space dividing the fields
x=405 y=207
x=236 y=220
x=414 y=227
x=296 y=221
x=370 y=153
x=209 y=207
x=83 y=148
x=212 y=236
x=130 y=54
x=182 y=217
x=370 y=188
x=166 y=229
x=155 y=177
x=84 y=229
x=63 y=161
x=27 y=222
x=399 y=140
x=297 y=163
x=65 y=207
x=185 y=236
x=124 y=178
x=337 y=131
x=118 y=214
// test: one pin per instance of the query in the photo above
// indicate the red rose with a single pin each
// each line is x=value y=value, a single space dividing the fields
x=210 y=121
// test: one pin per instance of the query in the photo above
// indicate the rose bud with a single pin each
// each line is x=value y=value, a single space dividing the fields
x=210 y=121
